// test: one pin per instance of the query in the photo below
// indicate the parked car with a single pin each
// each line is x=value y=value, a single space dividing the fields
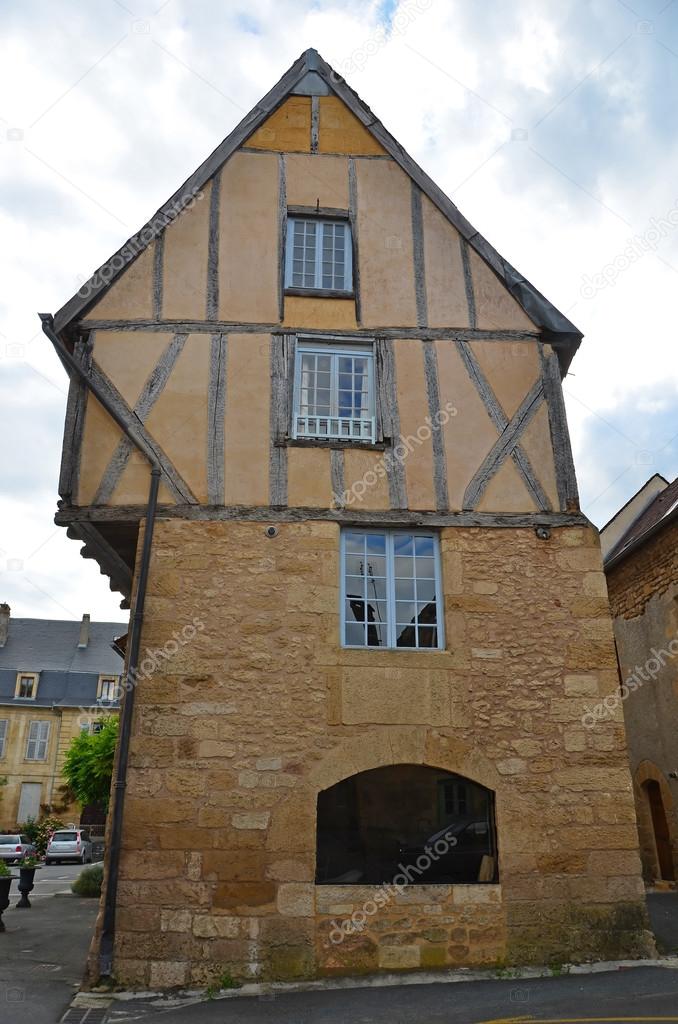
x=13 y=847
x=69 y=844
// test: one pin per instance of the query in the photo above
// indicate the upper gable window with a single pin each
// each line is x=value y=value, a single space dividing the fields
x=334 y=393
x=108 y=688
x=318 y=255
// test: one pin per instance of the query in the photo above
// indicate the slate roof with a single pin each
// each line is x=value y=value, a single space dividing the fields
x=661 y=510
x=69 y=675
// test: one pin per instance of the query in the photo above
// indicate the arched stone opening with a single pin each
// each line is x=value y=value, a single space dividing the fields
x=435 y=825
x=657 y=824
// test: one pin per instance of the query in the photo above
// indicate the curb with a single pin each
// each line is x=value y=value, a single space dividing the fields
x=187 y=997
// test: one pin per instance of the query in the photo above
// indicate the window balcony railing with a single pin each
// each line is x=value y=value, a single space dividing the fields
x=342 y=428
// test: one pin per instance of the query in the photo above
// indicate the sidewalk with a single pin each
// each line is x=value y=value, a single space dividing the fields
x=42 y=956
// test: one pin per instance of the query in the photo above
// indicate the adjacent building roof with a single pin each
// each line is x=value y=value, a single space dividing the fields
x=650 y=517
x=310 y=75
x=69 y=673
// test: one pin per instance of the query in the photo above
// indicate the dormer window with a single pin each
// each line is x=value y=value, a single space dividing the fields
x=26 y=686
x=334 y=392
x=109 y=690
x=318 y=256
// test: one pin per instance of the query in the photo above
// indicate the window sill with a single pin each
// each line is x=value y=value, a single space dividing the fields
x=399 y=650
x=331 y=442
x=320 y=293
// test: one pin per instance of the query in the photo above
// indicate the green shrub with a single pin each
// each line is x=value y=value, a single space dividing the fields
x=88 y=882
x=4 y=870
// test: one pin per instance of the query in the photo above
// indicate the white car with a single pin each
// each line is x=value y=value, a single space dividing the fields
x=13 y=847
x=69 y=844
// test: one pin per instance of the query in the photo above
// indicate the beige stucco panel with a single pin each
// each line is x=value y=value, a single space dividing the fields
x=178 y=420
x=247 y=428
x=506 y=492
x=340 y=131
x=129 y=357
x=323 y=314
x=185 y=261
x=468 y=431
x=100 y=439
x=364 y=481
x=413 y=408
x=385 y=244
x=288 y=127
x=308 y=477
x=536 y=443
x=495 y=306
x=445 y=287
x=248 y=239
x=511 y=368
x=131 y=296
x=132 y=488
x=317 y=180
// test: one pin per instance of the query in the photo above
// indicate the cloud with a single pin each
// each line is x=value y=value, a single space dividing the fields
x=545 y=121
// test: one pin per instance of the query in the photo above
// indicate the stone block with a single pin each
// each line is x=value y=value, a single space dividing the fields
x=296 y=899
x=168 y=974
x=399 y=957
x=251 y=819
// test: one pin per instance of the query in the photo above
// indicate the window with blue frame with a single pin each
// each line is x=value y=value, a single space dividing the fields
x=391 y=592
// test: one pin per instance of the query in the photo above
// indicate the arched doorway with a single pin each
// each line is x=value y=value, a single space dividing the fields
x=660 y=828
x=379 y=822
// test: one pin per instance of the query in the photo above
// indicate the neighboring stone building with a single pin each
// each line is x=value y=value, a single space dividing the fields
x=388 y=613
x=56 y=678
x=640 y=545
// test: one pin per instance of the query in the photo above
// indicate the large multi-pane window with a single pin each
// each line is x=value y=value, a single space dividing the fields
x=36 y=744
x=334 y=392
x=318 y=255
x=391 y=589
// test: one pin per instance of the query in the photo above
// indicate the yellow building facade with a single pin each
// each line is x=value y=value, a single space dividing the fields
x=374 y=615
x=56 y=679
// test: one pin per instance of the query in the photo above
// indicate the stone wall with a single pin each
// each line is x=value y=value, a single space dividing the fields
x=236 y=733
x=644 y=600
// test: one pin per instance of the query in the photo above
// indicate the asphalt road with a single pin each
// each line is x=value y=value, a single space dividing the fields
x=56 y=878
x=43 y=952
x=631 y=996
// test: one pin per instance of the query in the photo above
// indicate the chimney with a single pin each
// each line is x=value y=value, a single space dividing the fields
x=84 y=631
x=4 y=623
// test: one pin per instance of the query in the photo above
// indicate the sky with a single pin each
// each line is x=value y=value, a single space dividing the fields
x=551 y=125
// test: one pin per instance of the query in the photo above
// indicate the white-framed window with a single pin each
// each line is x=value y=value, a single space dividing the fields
x=26 y=686
x=334 y=392
x=36 y=744
x=318 y=254
x=109 y=689
x=390 y=589
x=4 y=725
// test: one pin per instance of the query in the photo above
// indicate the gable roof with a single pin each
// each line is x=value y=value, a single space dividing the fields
x=662 y=510
x=311 y=75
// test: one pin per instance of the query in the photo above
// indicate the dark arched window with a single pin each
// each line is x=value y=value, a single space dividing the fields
x=373 y=825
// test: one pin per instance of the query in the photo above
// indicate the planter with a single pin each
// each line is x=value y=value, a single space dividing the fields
x=5 y=883
x=26 y=884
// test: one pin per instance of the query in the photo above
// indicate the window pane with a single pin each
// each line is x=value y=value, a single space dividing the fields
x=404 y=590
x=403 y=544
x=404 y=567
x=423 y=545
x=355 y=635
x=354 y=542
x=376 y=543
x=428 y=636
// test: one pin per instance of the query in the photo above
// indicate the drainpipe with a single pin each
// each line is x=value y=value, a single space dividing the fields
x=108 y=930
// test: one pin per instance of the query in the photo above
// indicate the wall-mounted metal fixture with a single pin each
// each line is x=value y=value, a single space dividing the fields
x=543 y=532
x=271 y=531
